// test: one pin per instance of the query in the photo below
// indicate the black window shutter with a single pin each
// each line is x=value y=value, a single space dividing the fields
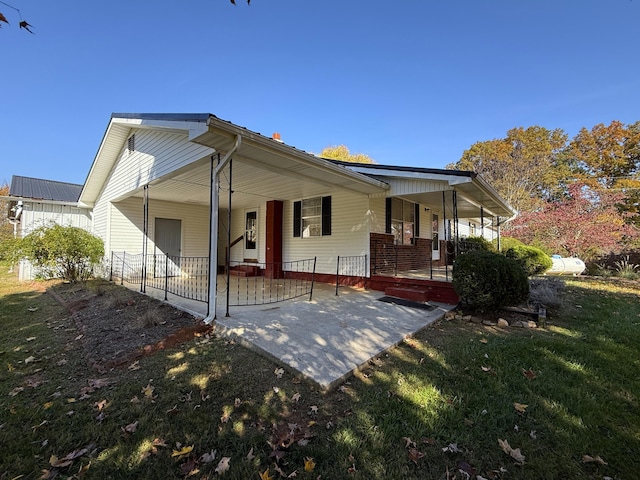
x=297 y=219
x=416 y=227
x=326 y=215
x=387 y=216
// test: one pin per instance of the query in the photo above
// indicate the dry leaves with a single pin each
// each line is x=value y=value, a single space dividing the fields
x=513 y=453
x=223 y=465
x=520 y=408
x=597 y=459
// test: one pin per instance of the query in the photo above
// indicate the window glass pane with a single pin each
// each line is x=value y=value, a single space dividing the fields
x=311 y=227
x=396 y=209
x=396 y=230
x=408 y=211
x=407 y=229
x=311 y=217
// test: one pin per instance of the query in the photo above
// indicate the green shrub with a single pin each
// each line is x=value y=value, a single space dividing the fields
x=70 y=253
x=506 y=243
x=476 y=243
x=488 y=280
x=533 y=260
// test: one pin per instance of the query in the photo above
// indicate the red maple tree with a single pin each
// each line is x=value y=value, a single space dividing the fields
x=586 y=223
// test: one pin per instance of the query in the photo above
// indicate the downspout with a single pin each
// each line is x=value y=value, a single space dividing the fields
x=213 y=228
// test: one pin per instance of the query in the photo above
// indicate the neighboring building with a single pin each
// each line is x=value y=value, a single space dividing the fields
x=34 y=202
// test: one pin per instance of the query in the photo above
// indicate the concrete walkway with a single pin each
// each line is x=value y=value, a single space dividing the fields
x=327 y=338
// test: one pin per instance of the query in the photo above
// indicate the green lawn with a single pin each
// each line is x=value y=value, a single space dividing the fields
x=437 y=404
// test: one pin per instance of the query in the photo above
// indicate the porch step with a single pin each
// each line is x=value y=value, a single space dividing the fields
x=245 y=271
x=414 y=294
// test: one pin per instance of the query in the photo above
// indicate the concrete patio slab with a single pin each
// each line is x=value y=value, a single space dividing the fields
x=327 y=338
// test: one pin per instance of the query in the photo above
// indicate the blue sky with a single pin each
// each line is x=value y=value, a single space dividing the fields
x=408 y=82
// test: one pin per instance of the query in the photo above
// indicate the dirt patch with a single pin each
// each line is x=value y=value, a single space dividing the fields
x=117 y=325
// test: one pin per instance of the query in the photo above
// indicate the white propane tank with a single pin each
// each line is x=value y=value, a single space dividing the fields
x=566 y=266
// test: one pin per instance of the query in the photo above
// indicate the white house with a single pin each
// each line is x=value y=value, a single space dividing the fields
x=193 y=186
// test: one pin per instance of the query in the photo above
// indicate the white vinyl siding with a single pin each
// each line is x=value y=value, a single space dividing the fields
x=349 y=232
x=157 y=154
x=127 y=226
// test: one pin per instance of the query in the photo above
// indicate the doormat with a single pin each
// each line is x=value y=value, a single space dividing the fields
x=407 y=303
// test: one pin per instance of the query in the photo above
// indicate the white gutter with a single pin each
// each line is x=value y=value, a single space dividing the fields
x=213 y=230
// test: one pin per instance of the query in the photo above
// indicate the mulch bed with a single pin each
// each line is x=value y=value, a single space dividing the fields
x=117 y=325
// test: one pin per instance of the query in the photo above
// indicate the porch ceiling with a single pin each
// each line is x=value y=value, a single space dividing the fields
x=252 y=184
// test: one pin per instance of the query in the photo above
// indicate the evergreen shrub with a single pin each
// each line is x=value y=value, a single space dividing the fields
x=488 y=280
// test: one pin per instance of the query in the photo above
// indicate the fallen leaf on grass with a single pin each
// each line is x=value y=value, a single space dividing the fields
x=208 y=457
x=530 y=374
x=135 y=365
x=225 y=418
x=30 y=359
x=597 y=459
x=148 y=391
x=296 y=397
x=131 y=428
x=32 y=309
x=250 y=455
x=16 y=391
x=189 y=468
x=451 y=448
x=101 y=405
x=183 y=451
x=159 y=442
x=278 y=372
x=173 y=410
x=409 y=442
x=520 y=408
x=484 y=340
x=223 y=465
x=513 y=453
x=415 y=455
x=265 y=475
x=309 y=464
x=30 y=339
x=48 y=405
x=486 y=369
x=237 y=402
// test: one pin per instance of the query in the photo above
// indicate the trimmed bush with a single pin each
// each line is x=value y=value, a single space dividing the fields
x=476 y=243
x=487 y=280
x=533 y=260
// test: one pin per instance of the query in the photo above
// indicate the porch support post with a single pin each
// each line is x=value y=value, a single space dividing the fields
x=228 y=259
x=456 y=222
x=444 y=231
x=482 y=222
x=498 y=229
x=213 y=227
x=145 y=237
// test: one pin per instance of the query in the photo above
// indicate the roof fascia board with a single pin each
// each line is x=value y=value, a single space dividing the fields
x=493 y=193
x=416 y=174
x=11 y=198
x=194 y=127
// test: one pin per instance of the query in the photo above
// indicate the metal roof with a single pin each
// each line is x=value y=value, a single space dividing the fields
x=39 y=189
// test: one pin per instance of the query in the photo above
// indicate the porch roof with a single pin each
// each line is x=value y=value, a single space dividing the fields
x=256 y=151
x=425 y=186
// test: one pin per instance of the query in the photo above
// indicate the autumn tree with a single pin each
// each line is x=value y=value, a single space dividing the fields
x=608 y=156
x=586 y=223
x=342 y=153
x=526 y=167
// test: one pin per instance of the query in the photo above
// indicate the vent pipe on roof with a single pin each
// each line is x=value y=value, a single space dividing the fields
x=276 y=137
